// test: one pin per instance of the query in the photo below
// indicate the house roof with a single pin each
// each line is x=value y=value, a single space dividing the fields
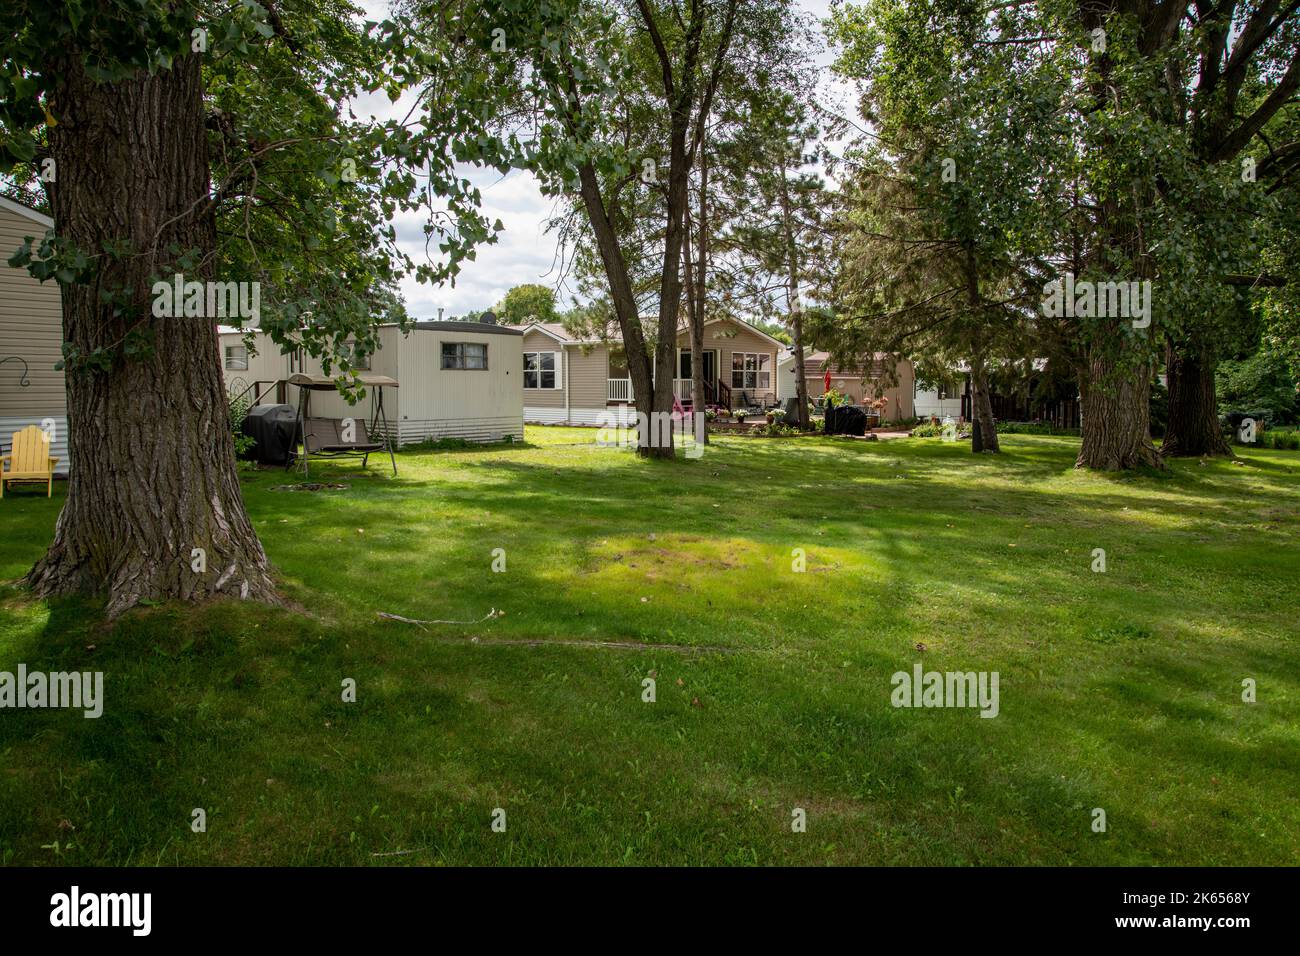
x=553 y=329
x=26 y=211
x=481 y=327
x=558 y=332
x=814 y=365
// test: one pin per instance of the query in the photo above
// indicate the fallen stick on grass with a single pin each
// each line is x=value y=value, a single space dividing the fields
x=410 y=620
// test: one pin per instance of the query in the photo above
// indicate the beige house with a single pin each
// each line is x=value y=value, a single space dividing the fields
x=570 y=380
x=31 y=340
x=861 y=382
x=455 y=379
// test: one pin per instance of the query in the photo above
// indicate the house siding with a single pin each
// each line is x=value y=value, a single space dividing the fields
x=436 y=403
x=31 y=328
x=718 y=336
x=900 y=396
x=588 y=377
x=546 y=398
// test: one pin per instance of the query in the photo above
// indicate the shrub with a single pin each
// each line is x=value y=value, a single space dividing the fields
x=927 y=430
x=775 y=430
x=1280 y=439
x=244 y=444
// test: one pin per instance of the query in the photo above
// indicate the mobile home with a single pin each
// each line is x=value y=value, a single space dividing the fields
x=456 y=379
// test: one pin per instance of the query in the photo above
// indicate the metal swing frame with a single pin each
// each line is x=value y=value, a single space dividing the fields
x=326 y=433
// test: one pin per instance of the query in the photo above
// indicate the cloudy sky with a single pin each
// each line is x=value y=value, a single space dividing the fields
x=524 y=252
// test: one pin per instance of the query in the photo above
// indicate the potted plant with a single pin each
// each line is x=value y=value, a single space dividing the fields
x=775 y=415
x=739 y=415
x=877 y=406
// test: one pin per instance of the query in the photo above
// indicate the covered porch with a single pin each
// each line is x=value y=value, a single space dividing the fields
x=716 y=391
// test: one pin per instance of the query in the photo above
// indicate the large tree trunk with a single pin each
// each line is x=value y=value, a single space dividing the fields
x=153 y=468
x=699 y=285
x=1193 y=428
x=1116 y=416
x=793 y=305
x=984 y=436
x=639 y=368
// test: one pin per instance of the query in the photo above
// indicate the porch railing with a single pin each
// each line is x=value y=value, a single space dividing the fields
x=620 y=390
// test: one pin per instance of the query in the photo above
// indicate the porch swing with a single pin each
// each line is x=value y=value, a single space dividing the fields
x=332 y=437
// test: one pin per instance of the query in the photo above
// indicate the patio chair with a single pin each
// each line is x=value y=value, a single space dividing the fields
x=29 y=460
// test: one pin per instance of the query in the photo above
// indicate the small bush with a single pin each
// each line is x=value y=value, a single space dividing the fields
x=777 y=429
x=244 y=444
x=1282 y=440
x=927 y=430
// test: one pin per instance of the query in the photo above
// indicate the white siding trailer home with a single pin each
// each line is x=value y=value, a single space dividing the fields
x=31 y=340
x=455 y=379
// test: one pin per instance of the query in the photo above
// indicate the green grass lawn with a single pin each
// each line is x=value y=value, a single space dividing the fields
x=1119 y=690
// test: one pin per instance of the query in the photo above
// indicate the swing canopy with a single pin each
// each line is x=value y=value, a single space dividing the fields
x=341 y=437
x=323 y=383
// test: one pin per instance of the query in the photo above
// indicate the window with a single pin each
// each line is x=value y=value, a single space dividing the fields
x=751 y=370
x=361 y=363
x=540 y=370
x=469 y=355
x=236 y=358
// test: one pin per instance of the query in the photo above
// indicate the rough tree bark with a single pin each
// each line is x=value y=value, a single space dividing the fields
x=153 y=467
x=981 y=410
x=1116 y=414
x=982 y=407
x=793 y=305
x=698 y=291
x=624 y=300
x=1193 y=428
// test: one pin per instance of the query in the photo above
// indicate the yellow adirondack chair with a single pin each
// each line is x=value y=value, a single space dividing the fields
x=30 y=460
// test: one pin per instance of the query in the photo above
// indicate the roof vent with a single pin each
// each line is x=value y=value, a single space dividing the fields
x=488 y=318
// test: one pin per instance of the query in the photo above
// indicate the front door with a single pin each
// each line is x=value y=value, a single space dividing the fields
x=710 y=364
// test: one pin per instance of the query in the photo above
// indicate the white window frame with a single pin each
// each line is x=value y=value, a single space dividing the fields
x=230 y=360
x=757 y=371
x=555 y=370
x=459 y=357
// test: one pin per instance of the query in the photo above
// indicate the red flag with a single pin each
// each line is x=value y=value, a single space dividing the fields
x=828 y=380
